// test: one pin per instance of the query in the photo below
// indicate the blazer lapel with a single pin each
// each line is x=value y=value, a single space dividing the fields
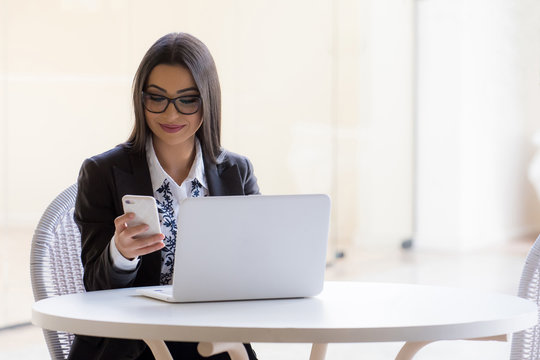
x=223 y=179
x=134 y=182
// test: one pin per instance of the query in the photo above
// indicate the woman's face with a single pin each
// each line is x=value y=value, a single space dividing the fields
x=172 y=127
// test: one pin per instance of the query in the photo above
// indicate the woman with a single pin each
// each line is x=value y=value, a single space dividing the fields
x=172 y=153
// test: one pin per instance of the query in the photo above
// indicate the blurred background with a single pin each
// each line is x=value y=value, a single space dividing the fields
x=417 y=117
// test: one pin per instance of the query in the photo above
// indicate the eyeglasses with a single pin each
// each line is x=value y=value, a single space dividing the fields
x=187 y=104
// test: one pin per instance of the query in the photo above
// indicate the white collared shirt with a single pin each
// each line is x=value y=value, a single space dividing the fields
x=168 y=195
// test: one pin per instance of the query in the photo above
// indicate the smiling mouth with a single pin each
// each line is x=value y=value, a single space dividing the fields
x=171 y=128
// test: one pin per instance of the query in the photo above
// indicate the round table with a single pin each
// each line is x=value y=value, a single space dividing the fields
x=344 y=312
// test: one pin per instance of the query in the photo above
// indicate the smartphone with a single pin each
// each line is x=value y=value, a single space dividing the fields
x=145 y=210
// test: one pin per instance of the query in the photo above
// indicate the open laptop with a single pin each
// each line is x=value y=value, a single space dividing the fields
x=248 y=247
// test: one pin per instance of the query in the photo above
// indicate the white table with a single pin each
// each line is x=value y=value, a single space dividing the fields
x=344 y=312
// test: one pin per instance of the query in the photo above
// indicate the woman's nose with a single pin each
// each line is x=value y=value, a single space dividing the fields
x=171 y=111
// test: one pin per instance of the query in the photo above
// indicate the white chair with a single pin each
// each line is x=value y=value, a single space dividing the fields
x=55 y=264
x=56 y=269
x=526 y=344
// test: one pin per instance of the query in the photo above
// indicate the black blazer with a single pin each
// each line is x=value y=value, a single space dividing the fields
x=103 y=180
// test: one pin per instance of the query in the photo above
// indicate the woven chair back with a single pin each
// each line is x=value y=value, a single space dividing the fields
x=526 y=344
x=55 y=262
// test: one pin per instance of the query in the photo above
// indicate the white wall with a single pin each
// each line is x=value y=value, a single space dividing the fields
x=3 y=114
x=478 y=94
x=385 y=125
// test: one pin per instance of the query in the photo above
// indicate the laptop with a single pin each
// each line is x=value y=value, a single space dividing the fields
x=248 y=247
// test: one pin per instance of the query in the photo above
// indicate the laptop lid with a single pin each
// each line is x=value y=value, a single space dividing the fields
x=251 y=247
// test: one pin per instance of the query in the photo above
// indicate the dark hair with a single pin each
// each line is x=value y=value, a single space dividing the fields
x=186 y=50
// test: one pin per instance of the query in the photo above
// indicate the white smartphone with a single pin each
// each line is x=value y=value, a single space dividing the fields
x=145 y=210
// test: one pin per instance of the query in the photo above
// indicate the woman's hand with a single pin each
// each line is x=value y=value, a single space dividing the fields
x=129 y=247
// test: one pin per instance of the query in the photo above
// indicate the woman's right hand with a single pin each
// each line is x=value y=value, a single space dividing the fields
x=129 y=247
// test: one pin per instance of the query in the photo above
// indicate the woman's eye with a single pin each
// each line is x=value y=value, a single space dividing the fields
x=188 y=100
x=157 y=98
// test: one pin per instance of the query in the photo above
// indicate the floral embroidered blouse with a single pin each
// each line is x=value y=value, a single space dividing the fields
x=168 y=195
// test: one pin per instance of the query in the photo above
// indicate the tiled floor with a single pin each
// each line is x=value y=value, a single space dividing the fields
x=497 y=269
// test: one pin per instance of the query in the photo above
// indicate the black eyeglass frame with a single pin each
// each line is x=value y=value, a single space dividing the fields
x=173 y=101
